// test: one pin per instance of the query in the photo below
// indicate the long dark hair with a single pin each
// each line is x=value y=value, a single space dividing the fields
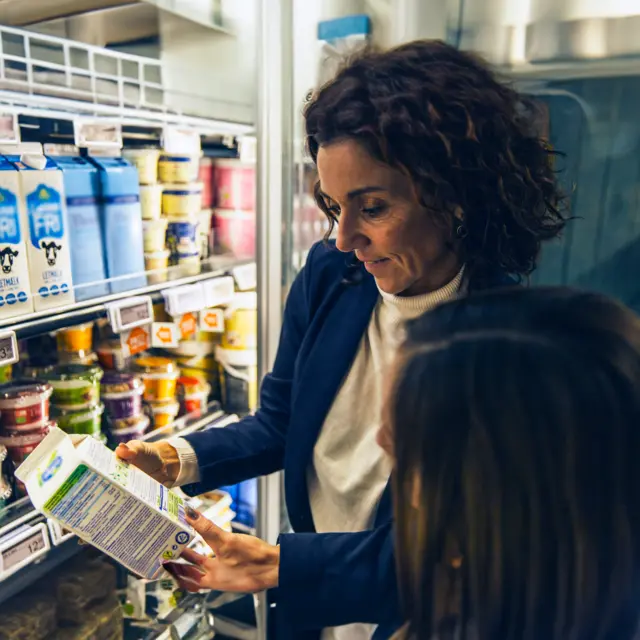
x=470 y=144
x=516 y=427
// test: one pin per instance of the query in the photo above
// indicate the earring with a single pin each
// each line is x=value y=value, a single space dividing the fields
x=461 y=232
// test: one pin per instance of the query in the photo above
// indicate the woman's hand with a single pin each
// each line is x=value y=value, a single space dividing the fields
x=242 y=563
x=157 y=459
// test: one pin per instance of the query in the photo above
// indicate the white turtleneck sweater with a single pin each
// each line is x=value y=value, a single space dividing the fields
x=348 y=471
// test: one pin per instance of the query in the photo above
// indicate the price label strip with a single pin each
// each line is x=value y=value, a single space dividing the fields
x=136 y=340
x=218 y=291
x=91 y=133
x=187 y=326
x=164 y=335
x=8 y=348
x=59 y=535
x=212 y=320
x=185 y=299
x=246 y=276
x=130 y=313
x=23 y=548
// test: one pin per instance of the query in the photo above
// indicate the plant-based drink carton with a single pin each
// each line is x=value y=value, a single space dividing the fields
x=82 y=189
x=106 y=502
x=15 y=289
x=48 y=250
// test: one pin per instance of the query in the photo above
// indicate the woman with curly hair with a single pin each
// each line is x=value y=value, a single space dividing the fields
x=439 y=185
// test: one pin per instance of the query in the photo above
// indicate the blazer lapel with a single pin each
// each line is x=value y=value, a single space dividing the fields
x=339 y=328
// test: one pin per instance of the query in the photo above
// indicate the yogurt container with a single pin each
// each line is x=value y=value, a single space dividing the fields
x=151 y=201
x=164 y=413
x=122 y=395
x=182 y=200
x=157 y=262
x=75 y=386
x=146 y=162
x=180 y=169
x=189 y=264
x=24 y=402
x=85 y=422
x=160 y=376
x=193 y=394
x=19 y=446
x=154 y=232
x=182 y=236
x=133 y=432
x=75 y=339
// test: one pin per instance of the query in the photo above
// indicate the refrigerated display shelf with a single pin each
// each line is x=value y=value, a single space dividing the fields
x=44 y=321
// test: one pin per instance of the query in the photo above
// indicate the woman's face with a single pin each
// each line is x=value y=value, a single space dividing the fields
x=380 y=218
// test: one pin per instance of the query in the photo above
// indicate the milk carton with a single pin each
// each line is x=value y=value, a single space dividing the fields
x=107 y=502
x=82 y=189
x=122 y=223
x=15 y=290
x=48 y=250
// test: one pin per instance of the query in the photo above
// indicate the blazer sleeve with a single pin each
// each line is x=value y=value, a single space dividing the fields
x=331 y=579
x=255 y=445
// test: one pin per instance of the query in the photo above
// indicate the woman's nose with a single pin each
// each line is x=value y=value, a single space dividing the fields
x=349 y=236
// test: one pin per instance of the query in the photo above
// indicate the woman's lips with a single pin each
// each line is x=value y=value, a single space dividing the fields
x=375 y=267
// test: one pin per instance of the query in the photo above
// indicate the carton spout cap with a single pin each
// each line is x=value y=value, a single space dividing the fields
x=34 y=161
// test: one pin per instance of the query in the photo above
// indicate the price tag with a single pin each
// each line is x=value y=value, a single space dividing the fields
x=212 y=320
x=9 y=128
x=58 y=534
x=136 y=340
x=181 y=141
x=218 y=291
x=181 y=300
x=23 y=548
x=187 y=325
x=8 y=348
x=246 y=276
x=164 y=335
x=97 y=133
x=130 y=313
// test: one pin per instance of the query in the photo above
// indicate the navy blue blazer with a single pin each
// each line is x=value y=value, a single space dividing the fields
x=327 y=579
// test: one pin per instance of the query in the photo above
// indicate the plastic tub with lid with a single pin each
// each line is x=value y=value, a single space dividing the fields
x=86 y=421
x=75 y=339
x=241 y=322
x=75 y=386
x=177 y=168
x=189 y=263
x=182 y=200
x=235 y=185
x=235 y=231
x=182 y=236
x=20 y=445
x=133 y=432
x=151 y=201
x=160 y=376
x=193 y=394
x=24 y=402
x=156 y=265
x=122 y=395
x=154 y=233
x=146 y=162
x=164 y=413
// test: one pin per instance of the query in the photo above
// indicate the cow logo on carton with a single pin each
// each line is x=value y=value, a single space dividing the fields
x=9 y=229
x=46 y=221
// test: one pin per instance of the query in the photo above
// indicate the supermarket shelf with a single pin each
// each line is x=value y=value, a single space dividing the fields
x=44 y=321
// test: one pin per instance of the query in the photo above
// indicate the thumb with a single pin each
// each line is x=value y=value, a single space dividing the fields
x=132 y=450
x=211 y=533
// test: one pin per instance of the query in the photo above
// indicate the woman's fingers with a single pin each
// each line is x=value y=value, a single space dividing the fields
x=189 y=577
x=193 y=557
x=212 y=534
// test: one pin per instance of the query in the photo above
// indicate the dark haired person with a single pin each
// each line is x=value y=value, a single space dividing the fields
x=439 y=185
x=516 y=483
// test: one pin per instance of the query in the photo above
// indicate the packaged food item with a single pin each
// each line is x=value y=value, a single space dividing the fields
x=135 y=428
x=75 y=386
x=205 y=176
x=241 y=322
x=182 y=200
x=146 y=163
x=112 y=356
x=122 y=395
x=86 y=421
x=189 y=263
x=117 y=508
x=235 y=232
x=179 y=169
x=182 y=236
x=82 y=190
x=193 y=394
x=164 y=413
x=29 y=616
x=101 y=621
x=160 y=376
x=151 y=201
x=75 y=339
x=205 y=232
x=21 y=443
x=122 y=223
x=15 y=288
x=48 y=245
x=235 y=185
x=87 y=358
x=238 y=379
x=154 y=232
x=158 y=262
x=23 y=403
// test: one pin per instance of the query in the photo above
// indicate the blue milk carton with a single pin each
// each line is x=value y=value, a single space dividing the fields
x=82 y=188
x=48 y=250
x=121 y=223
x=15 y=289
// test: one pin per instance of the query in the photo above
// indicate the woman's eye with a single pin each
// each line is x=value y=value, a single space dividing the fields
x=372 y=212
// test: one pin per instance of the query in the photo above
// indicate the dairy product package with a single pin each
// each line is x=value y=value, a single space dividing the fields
x=82 y=188
x=110 y=504
x=121 y=223
x=15 y=289
x=48 y=250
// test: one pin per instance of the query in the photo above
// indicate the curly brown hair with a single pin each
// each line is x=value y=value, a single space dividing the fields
x=470 y=144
